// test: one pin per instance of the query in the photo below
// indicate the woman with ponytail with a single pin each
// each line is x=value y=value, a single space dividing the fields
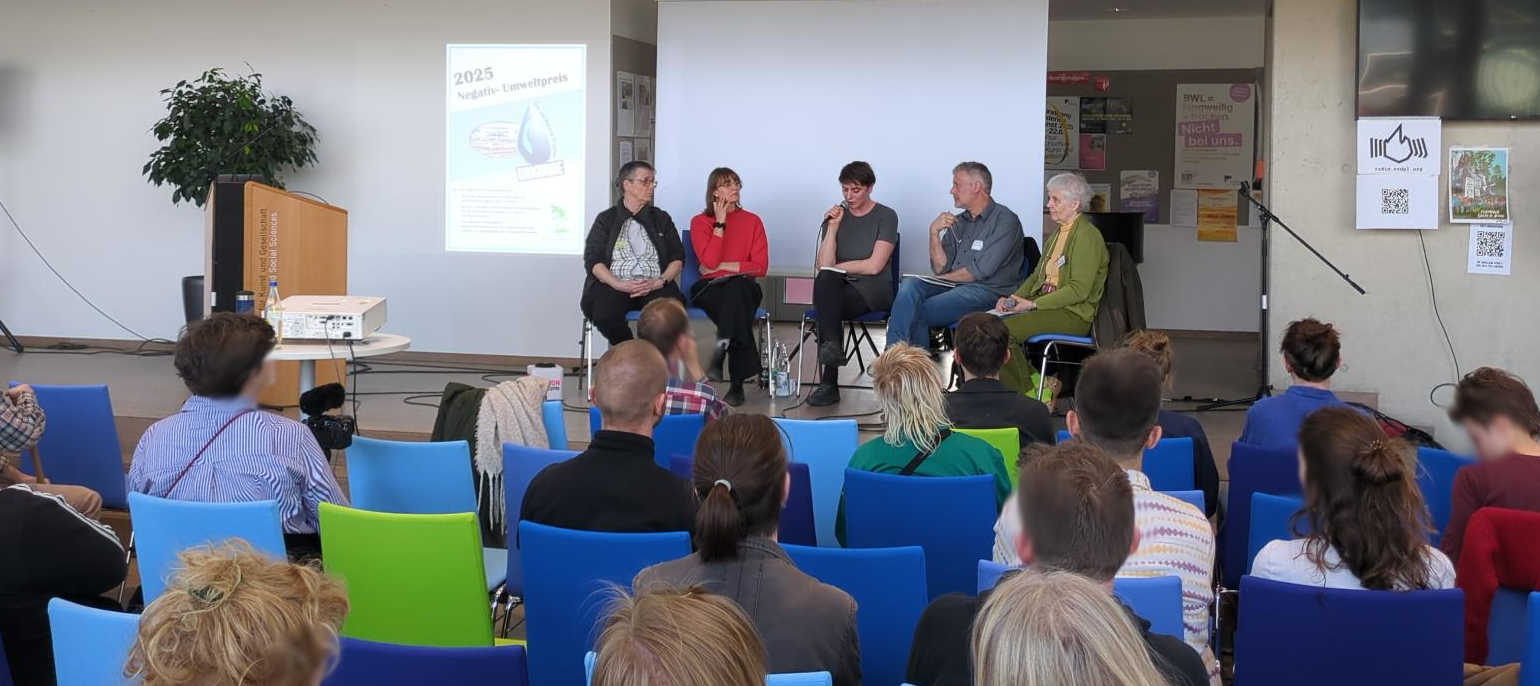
x=741 y=478
x=1367 y=523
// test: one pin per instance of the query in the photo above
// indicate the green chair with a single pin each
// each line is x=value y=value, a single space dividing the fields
x=413 y=579
x=1007 y=441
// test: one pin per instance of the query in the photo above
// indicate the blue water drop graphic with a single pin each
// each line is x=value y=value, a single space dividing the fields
x=535 y=136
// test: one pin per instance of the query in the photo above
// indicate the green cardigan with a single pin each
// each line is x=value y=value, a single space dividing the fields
x=1082 y=279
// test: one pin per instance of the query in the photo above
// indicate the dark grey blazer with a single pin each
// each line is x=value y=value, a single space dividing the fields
x=807 y=626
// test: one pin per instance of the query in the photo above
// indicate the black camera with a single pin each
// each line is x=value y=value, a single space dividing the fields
x=332 y=431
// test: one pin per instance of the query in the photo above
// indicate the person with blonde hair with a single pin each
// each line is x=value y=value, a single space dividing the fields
x=919 y=439
x=231 y=616
x=1048 y=629
x=1156 y=345
x=678 y=637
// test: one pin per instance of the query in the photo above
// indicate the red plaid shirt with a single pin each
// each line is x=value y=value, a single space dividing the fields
x=21 y=424
x=683 y=397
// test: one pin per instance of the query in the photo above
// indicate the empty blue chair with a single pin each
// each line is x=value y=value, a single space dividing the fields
x=90 y=645
x=164 y=528
x=1157 y=599
x=520 y=465
x=796 y=525
x=80 y=445
x=825 y=447
x=1169 y=465
x=555 y=421
x=368 y=663
x=1252 y=469
x=1270 y=515
x=888 y=585
x=1290 y=634
x=1529 y=662
x=951 y=517
x=1194 y=497
x=1507 y=635
x=566 y=573
x=1435 y=476
x=674 y=435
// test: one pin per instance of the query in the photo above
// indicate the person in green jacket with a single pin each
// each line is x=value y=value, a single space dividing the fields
x=1063 y=291
x=908 y=389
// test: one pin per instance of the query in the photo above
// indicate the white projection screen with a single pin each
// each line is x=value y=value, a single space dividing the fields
x=787 y=92
x=515 y=121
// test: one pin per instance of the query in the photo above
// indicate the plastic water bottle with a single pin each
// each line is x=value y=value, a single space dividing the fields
x=273 y=312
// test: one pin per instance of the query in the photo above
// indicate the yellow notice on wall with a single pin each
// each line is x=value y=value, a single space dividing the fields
x=1217 y=213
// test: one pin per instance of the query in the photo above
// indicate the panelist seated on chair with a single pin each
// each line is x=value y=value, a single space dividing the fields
x=977 y=253
x=732 y=249
x=665 y=324
x=1062 y=293
x=222 y=448
x=858 y=239
x=615 y=485
x=22 y=422
x=633 y=255
x=981 y=347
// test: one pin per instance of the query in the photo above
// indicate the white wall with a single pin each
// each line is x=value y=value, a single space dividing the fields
x=79 y=82
x=788 y=91
x=1192 y=43
x=635 y=19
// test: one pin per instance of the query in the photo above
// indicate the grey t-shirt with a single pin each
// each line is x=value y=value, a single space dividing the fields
x=856 y=238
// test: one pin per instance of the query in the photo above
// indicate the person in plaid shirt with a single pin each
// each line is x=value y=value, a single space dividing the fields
x=665 y=325
x=21 y=425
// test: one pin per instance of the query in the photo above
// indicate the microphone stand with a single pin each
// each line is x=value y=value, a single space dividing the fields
x=11 y=340
x=1265 y=389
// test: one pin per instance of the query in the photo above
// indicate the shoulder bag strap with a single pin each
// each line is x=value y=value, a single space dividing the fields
x=202 y=450
x=920 y=457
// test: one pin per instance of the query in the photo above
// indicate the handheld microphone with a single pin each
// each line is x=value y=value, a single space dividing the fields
x=825 y=224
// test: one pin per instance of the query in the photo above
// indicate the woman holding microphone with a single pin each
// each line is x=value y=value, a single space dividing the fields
x=730 y=242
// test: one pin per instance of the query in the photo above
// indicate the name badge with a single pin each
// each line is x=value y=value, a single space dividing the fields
x=1061 y=262
x=978 y=244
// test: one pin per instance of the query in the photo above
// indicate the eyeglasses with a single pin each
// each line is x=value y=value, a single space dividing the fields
x=645 y=182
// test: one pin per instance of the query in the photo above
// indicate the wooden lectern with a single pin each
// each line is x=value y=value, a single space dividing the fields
x=254 y=233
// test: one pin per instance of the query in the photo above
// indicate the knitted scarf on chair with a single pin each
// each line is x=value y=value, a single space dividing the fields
x=509 y=413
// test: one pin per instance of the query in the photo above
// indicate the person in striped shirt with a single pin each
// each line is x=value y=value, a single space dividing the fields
x=221 y=448
x=1117 y=402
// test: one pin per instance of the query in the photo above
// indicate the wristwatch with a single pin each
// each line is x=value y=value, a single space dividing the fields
x=719 y=225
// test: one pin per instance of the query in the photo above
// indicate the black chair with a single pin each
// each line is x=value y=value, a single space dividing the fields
x=192 y=297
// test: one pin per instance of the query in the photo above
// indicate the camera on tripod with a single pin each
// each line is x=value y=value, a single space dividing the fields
x=332 y=431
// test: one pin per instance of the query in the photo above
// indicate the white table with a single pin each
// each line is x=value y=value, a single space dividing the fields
x=308 y=351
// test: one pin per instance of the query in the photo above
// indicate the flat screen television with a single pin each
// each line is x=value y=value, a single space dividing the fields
x=1456 y=59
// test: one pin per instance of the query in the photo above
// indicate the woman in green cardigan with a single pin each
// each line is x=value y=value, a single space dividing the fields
x=1063 y=291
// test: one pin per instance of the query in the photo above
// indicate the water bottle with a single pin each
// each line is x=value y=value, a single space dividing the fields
x=273 y=312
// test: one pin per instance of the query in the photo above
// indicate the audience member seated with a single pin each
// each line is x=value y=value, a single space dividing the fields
x=234 y=617
x=1065 y=288
x=978 y=250
x=222 y=448
x=1157 y=346
x=729 y=242
x=919 y=439
x=21 y=426
x=615 y=485
x=678 y=637
x=1077 y=510
x=1367 y=523
x=1058 y=629
x=740 y=476
x=855 y=270
x=1117 y=401
x=59 y=553
x=665 y=325
x=1312 y=351
x=1499 y=415
x=982 y=346
x=633 y=255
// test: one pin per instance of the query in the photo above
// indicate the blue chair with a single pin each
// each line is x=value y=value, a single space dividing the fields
x=1270 y=515
x=368 y=663
x=164 y=528
x=792 y=679
x=951 y=517
x=676 y=434
x=888 y=585
x=1529 y=662
x=1169 y=465
x=90 y=645
x=1435 y=476
x=1507 y=633
x=796 y=524
x=1155 y=598
x=1195 y=497
x=520 y=465
x=565 y=576
x=853 y=336
x=80 y=445
x=553 y=416
x=1289 y=634
x=1053 y=342
x=1252 y=469
x=825 y=447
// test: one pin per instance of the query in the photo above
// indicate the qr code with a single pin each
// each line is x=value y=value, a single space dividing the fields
x=1489 y=244
x=1395 y=201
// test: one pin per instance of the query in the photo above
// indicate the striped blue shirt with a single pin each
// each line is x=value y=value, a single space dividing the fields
x=261 y=456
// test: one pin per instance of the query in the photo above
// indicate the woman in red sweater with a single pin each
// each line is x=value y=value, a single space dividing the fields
x=730 y=244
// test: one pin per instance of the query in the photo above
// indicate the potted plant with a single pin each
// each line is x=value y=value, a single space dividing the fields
x=226 y=124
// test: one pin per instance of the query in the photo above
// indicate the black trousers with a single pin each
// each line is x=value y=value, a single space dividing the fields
x=607 y=308
x=835 y=300
x=731 y=305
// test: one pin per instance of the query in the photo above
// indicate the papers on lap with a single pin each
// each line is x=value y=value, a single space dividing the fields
x=933 y=280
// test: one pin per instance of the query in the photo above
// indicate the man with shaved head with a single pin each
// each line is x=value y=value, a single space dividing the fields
x=615 y=485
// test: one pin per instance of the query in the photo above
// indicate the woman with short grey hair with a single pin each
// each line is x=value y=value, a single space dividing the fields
x=1065 y=288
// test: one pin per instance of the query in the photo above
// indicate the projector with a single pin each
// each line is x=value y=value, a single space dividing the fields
x=332 y=317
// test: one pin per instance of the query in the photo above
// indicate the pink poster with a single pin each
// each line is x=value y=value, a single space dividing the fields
x=1093 y=151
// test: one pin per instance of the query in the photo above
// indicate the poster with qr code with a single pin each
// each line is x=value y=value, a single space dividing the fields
x=1491 y=249
x=1478 y=185
x=1397 y=201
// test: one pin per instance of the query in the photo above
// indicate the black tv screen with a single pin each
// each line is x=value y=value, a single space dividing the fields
x=1456 y=59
